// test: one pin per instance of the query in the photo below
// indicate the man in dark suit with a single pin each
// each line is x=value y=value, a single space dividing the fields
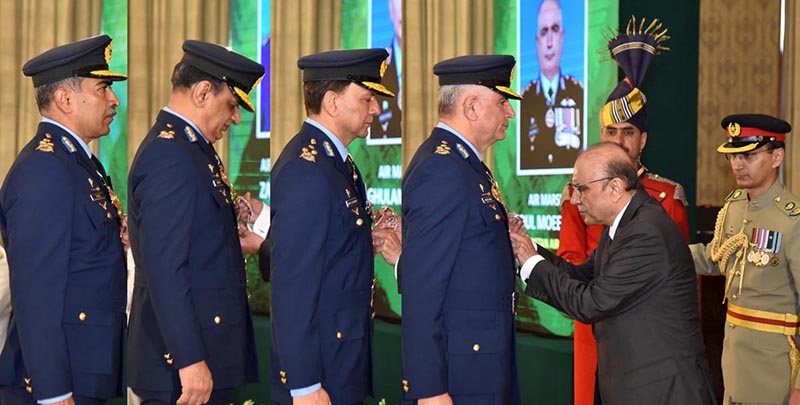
x=322 y=274
x=60 y=221
x=457 y=267
x=551 y=112
x=190 y=326
x=637 y=288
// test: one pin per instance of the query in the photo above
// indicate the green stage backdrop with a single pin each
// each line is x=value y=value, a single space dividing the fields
x=249 y=144
x=113 y=148
x=536 y=194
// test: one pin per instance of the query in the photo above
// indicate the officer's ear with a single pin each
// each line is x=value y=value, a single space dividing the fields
x=200 y=92
x=330 y=103
x=777 y=157
x=470 y=107
x=63 y=99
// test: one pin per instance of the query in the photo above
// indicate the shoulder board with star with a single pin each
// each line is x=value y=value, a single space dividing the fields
x=533 y=84
x=189 y=133
x=678 y=193
x=574 y=81
x=738 y=194
x=788 y=204
x=310 y=152
x=67 y=143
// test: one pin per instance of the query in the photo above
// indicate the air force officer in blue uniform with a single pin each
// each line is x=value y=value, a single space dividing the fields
x=190 y=327
x=60 y=221
x=321 y=254
x=458 y=272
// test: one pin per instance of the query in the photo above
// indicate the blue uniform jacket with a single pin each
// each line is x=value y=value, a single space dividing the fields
x=322 y=273
x=458 y=279
x=67 y=272
x=189 y=298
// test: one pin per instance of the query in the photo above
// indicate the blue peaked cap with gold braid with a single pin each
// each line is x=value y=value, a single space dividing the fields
x=85 y=58
x=364 y=67
x=240 y=73
x=633 y=52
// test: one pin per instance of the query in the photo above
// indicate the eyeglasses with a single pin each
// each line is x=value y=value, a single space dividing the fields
x=581 y=188
x=746 y=156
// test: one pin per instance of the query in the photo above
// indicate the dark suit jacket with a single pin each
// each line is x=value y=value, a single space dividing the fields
x=322 y=270
x=458 y=279
x=189 y=298
x=67 y=271
x=639 y=292
x=264 y=260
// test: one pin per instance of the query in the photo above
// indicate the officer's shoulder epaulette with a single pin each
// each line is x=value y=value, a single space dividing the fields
x=45 y=144
x=565 y=194
x=189 y=133
x=574 y=81
x=738 y=194
x=531 y=85
x=67 y=143
x=787 y=203
x=678 y=192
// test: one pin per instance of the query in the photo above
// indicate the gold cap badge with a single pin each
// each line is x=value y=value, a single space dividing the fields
x=734 y=129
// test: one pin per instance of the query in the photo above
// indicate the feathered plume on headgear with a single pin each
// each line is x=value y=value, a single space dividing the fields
x=633 y=52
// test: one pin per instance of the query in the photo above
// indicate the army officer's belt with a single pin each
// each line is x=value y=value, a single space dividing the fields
x=764 y=321
x=472 y=300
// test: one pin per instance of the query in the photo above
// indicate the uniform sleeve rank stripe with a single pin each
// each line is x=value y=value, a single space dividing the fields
x=68 y=144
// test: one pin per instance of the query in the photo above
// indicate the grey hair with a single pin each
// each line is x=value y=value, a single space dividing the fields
x=448 y=97
x=44 y=93
x=616 y=163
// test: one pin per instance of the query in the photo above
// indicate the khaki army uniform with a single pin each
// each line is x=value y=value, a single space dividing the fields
x=756 y=247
